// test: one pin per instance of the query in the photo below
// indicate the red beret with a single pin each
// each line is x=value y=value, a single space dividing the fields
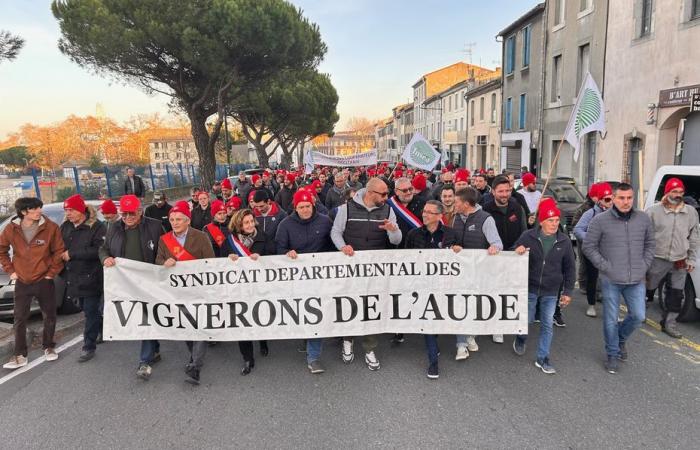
x=234 y=202
x=217 y=206
x=226 y=184
x=528 y=179
x=254 y=179
x=75 y=202
x=129 y=203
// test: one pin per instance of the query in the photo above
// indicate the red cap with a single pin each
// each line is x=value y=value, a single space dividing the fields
x=316 y=184
x=528 y=179
x=290 y=177
x=671 y=184
x=444 y=170
x=108 y=207
x=254 y=179
x=410 y=172
x=226 y=184
x=302 y=195
x=217 y=206
x=129 y=203
x=419 y=182
x=234 y=202
x=603 y=190
x=462 y=175
x=548 y=209
x=593 y=190
x=75 y=202
x=181 y=207
x=398 y=173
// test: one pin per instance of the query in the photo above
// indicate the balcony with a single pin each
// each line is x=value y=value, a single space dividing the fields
x=455 y=137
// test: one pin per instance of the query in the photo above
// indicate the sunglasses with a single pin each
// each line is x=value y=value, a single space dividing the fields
x=130 y=214
x=606 y=199
x=383 y=194
x=405 y=190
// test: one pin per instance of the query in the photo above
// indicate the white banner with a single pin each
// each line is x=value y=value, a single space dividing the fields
x=312 y=158
x=318 y=295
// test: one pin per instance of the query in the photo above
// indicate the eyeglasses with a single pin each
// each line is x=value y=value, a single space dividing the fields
x=405 y=191
x=130 y=214
x=433 y=213
x=383 y=194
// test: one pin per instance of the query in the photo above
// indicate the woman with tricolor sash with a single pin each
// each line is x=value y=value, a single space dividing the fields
x=185 y=243
x=248 y=240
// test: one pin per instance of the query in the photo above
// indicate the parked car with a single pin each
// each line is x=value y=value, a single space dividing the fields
x=566 y=194
x=690 y=175
x=54 y=211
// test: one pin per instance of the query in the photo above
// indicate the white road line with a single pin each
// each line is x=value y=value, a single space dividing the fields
x=39 y=360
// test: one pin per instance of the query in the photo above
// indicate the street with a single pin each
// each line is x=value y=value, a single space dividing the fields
x=494 y=399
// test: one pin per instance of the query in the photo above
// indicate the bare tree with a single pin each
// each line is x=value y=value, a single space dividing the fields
x=10 y=45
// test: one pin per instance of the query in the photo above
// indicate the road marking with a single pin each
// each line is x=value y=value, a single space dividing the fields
x=655 y=325
x=39 y=360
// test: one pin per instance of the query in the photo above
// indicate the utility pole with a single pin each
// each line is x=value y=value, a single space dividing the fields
x=468 y=50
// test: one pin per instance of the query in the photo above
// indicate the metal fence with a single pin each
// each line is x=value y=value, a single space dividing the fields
x=109 y=181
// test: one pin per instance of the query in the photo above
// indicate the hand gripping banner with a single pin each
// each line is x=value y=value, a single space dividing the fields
x=318 y=295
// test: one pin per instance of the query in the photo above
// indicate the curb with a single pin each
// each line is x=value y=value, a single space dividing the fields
x=67 y=327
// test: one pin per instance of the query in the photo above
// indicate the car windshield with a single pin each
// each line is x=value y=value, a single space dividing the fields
x=564 y=193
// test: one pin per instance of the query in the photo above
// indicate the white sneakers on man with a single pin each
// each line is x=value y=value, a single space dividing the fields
x=498 y=338
x=472 y=346
x=15 y=362
x=462 y=353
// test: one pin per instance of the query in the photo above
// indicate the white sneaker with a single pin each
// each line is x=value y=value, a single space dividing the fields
x=371 y=361
x=15 y=362
x=498 y=338
x=50 y=354
x=348 y=355
x=462 y=353
x=590 y=312
x=472 y=346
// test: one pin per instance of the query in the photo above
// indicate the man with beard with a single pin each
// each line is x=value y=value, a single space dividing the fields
x=216 y=190
x=226 y=190
x=530 y=192
x=407 y=206
x=676 y=232
x=447 y=197
x=286 y=194
x=159 y=209
x=603 y=193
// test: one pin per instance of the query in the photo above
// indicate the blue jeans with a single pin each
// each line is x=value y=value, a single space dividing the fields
x=548 y=304
x=313 y=350
x=431 y=344
x=93 y=321
x=634 y=295
x=148 y=349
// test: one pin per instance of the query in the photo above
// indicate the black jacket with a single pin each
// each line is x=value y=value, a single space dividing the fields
x=284 y=198
x=115 y=241
x=200 y=217
x=416 y=206
x=225 y=249
x=139 y=188
x=83 y=272
x=262 y=244
x=444 y=237
x=546 y=275
x=161 y=214
x=304 y=236
x=511 y=224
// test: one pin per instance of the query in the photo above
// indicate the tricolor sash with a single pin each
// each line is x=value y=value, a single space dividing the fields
x=237 y=246
x=178 y=251
x=402 y=211
x=216 y=233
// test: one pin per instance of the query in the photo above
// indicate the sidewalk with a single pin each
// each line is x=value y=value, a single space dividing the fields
x=67 y=327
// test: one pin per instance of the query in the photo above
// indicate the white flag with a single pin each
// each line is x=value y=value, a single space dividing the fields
x=308 y=162
x=419 y=153
x=588 y=114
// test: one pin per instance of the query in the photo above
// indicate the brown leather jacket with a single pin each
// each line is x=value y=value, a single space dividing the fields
x=41 y=258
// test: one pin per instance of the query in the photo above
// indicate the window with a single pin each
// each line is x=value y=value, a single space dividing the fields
x=522 y=115
x=450 y=107
x=585 y=5
x=481 y=109
x=155 y=145
x=556 y=79
x=456 y=100
x=584 y=58
x=559 y=8
x=509 y=112
x=462 y=95
x=510 y=55
x=461 y=124
x=527 y=32
x=493 y=108
x=645 y=29
x=472 y=114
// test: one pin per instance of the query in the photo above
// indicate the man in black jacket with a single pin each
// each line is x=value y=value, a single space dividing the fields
x=510 y=218
x=159 y=209
x=552 y=264
x=134 y=237
x=133 y=184
x=285 y=195
x=83 y=235
x=201 y=213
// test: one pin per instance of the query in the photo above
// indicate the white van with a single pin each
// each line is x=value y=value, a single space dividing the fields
x=690 y=175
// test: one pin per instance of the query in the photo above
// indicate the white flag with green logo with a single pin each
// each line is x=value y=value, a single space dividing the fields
x=588 y=114
x=420 y=153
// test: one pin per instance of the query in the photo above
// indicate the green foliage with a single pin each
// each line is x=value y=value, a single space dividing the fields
x=18 y=156
x=10 y=45
x=95 y=163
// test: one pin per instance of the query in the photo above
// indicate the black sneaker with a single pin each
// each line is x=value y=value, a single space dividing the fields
x=192 y=376
x=611 y=364
x=86 y=355
x=398 y=338
x=559 y=321
x=301 y=347
x=315 y=367
x=156 y=358
x=622 y=356
x=545 y=366
x=433 y=372
x=519 y=346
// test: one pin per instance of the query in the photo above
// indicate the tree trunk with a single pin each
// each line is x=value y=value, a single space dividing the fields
x=205 y=148
x=287 y=160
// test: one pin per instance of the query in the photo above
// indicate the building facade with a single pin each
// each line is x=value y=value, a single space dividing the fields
x=484 y=125
x=403 y=127
x=453 y=139
x=345 y=143
x=652 y=71
x=524 y=43
x=385 y=139
x=172 y=151
x=576 y=42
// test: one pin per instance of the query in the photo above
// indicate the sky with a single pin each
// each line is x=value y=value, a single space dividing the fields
x=377 y=49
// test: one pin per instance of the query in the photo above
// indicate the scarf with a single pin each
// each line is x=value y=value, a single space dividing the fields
x=247 y=239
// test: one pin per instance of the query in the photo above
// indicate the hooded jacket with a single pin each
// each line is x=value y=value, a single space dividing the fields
x=40 y=258
x=271 y=221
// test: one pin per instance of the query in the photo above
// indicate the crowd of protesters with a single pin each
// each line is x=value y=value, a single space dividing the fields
x=627 y=251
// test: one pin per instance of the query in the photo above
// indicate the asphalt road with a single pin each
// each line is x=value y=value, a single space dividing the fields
x=494 y=399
